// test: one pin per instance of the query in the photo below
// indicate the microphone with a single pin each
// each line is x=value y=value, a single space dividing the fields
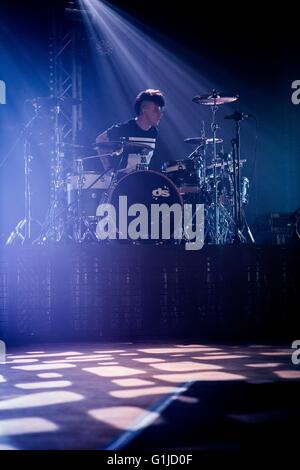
x=237 y=116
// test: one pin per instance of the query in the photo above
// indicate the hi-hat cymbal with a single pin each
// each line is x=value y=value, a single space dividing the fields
x=131 y=147
x=214 y=99
x=202 y=140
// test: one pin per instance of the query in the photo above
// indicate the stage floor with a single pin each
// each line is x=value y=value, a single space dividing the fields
x=145 y=396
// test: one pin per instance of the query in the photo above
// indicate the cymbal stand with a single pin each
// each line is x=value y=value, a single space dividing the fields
x=214 y=128
x=25 y=225
x=199 y=154
x=53 y=227
x=76 y=218
x=237 y=208
x=202 y=172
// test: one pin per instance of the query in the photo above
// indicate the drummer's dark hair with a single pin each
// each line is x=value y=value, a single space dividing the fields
x=155 y=96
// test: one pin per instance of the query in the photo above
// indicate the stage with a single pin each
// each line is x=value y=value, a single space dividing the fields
x=135 y=348
x=153 y=396
x=115 y=291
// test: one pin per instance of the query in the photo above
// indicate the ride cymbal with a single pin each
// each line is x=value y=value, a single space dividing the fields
x=214 y=99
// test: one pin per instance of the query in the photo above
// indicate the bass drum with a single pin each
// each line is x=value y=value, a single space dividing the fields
x=148 y=188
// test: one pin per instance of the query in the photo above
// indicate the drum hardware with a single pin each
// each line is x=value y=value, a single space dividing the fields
x=79 y=217
x=78 y=194
x=54 y=225
x=79 y=220
x=201 y=141
x=112 y=147
x=72 y=213
x=226 y=224
x=82 y=182
x=23 y=229
x=198 y=156
x=239 y=216
x=200 y=151
x=184 y=172
x=223 y=164
x=245 y=190
x=214 y=100
x=229 y=190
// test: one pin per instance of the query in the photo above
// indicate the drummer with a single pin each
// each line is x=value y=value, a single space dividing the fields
x=143 y=129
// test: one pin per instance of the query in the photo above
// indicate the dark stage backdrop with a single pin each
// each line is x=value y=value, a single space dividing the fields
x=243 y=49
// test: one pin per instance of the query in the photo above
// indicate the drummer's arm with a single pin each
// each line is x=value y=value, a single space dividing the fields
x=104 y=159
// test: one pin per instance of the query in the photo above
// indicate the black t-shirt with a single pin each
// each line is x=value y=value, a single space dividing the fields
x=133 y=133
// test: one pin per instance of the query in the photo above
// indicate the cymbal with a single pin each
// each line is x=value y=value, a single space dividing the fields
x=131 y=147
x=92 y=156
x=214 y=99
x=202 y=140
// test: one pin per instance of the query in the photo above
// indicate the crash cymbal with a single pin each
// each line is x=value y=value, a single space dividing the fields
x=131 y=147
x=202 y=140
x=214 y=99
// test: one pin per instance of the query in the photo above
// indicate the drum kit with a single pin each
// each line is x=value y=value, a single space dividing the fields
x=206 y=176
